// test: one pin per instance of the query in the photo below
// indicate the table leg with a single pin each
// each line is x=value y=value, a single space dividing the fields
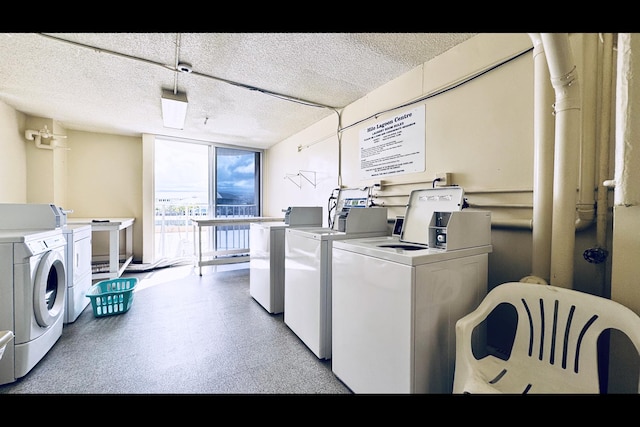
x=128 y=241
x=114 y=252
x=200 y=249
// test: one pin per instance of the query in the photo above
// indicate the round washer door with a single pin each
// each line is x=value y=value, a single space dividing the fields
x=49 y=288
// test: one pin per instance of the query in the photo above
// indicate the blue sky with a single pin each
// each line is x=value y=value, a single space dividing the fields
x=182 y=167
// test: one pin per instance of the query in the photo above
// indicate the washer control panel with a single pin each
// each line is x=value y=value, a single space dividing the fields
x=39 y=246
x=460 y=229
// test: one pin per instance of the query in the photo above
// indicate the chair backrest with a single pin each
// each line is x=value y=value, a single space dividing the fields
x=556 y=338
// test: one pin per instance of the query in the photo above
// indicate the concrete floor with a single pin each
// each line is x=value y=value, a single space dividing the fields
x=184 y=334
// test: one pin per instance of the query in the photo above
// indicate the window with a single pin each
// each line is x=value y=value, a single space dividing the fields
x=196 y=179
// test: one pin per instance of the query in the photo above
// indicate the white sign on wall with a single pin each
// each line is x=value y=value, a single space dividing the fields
x=393 y=146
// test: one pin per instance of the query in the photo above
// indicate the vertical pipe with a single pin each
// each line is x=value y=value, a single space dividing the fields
x=602 y=210
x=543 y=129
x=567 y=149
x=585 y=206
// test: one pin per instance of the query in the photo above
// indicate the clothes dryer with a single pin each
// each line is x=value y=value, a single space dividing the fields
x=78 y=256
x=32 y=296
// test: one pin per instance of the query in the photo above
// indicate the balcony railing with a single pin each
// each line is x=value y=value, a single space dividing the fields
x=174 y=232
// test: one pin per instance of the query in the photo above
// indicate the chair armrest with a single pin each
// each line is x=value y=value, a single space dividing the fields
x=464 y=349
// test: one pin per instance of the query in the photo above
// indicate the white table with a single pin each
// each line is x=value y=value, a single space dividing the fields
x=113 y=226
x=199 y=223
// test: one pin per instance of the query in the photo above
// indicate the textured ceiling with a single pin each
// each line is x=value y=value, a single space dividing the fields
x=240 y=90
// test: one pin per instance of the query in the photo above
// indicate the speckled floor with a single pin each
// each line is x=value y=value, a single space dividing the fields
x=184 y=334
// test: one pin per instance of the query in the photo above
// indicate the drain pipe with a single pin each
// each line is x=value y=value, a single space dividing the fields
x=543 y=141
x=605 y=129
x=567 y=149
x=585 y=206
x=602 y=206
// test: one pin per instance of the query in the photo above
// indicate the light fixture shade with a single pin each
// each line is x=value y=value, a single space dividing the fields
x=174 y=109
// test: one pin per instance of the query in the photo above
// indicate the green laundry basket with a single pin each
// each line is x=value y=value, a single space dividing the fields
x=110 y=297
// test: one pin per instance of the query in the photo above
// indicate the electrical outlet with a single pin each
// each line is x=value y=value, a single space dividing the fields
x=444 y=179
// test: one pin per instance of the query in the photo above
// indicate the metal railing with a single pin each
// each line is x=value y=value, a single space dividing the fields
x=174 y=231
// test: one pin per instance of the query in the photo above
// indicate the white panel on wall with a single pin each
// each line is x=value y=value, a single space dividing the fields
x=394 y=146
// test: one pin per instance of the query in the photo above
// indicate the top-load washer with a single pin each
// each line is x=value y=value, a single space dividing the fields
x=308 y=252
x=396 y=298
x=266 y=264
x=32 y=296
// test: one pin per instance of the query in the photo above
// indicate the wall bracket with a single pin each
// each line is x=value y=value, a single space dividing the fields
x=309 y=176
x=40 y=135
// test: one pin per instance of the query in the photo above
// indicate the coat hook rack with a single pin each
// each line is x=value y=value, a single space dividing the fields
x=302 y=174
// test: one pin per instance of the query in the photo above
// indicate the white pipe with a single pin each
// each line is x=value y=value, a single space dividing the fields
x=605 y=129
x=602 y=210
x=585 y=206
x=567 y=135
x=543 y=147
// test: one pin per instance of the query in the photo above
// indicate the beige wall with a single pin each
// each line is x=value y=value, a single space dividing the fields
x=95 y=175
x=46 y=167
x=481 y=132
x=626 y=227
x=493 y=148
x=105 y=181
x=319 y=160
x=13 y=162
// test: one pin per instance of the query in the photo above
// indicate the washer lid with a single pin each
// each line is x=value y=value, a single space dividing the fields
x=422 y=205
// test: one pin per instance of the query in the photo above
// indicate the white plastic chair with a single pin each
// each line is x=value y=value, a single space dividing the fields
x=555 y=349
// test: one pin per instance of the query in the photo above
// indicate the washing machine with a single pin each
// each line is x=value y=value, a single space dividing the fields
x=32 y=296
x=308 y=252
x=78 y=256
x=266 y=264
x=396 y=299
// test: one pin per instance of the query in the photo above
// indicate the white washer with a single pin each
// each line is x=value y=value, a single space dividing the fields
x=32 y=296
x=394 y=313
x=395 y=303
x=78 y=255
x=266 y=264
x=307 y=289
